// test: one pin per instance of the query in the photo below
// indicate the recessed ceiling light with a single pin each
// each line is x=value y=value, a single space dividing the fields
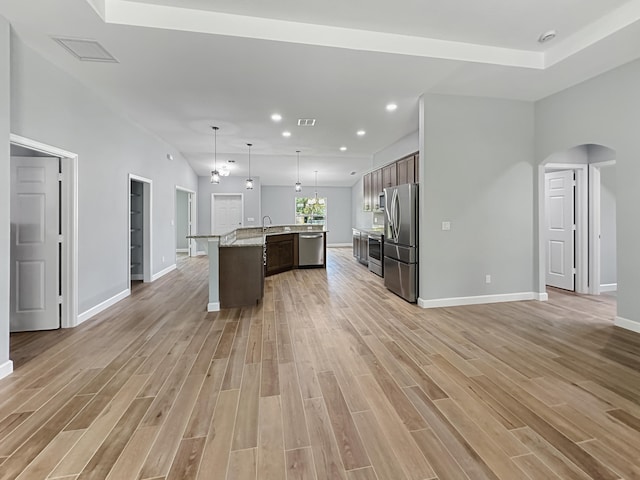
x=391 y=107
x=547 y=36
x=343 y=149
x=360 y=133
x=276 y=117
x=286 y=133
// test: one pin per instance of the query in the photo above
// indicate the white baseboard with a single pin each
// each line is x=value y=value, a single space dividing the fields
x=627 y=324
x=6 y=369
x=213 y=307
x=83 y=317
x=162 y=273
x=339 y=245
x=608 y=287
x=200 y=252
x=480 y=299
x=541 y=297
x=182 y=250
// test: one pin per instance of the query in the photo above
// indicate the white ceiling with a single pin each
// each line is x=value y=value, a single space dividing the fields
x=182 y=70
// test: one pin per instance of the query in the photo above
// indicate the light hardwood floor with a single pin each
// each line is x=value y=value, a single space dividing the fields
x=331 y=377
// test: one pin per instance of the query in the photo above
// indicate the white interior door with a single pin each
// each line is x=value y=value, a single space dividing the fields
x=559 y=192
x=226 y=212
x=35 y=236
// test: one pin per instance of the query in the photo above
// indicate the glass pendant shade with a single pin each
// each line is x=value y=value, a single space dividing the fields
x=249 y=184
x=215 y=177
x=298 y=187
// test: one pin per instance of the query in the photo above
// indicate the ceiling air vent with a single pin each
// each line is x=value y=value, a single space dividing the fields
x=86 y=50
x=306 y=122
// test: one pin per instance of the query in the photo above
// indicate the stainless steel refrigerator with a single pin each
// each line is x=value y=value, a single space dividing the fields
x=401 y=240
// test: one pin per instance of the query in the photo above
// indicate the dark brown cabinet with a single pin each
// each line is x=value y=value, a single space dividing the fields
x=282 y=253
x=367 y=193
x=406 y=168
x=389 y=176
x=376 y=188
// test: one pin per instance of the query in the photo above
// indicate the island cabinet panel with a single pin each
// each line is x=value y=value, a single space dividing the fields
x=282 y=253
x=241 y=276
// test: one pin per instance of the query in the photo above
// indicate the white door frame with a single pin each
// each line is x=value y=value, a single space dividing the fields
x=147 y=230
x=213 y=199
x=582 y=226
x=69 y=217
x=194 y=218
x=594 y=221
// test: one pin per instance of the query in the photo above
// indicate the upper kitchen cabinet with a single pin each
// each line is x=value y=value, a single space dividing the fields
x=367 y=193
x=389 y=176
x=407 y=170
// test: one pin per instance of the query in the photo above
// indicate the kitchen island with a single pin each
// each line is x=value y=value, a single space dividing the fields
x=239 y=260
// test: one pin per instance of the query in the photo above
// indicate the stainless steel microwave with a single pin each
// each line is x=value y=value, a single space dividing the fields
x=381 y=201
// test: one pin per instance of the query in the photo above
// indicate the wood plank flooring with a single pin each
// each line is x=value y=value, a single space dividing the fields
x=330 y=377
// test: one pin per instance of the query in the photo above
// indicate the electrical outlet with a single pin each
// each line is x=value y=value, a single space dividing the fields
x=163 y=259
x=446 y=225
x=487 y=279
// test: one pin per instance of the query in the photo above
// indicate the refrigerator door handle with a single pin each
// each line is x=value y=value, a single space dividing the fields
x=395 y=207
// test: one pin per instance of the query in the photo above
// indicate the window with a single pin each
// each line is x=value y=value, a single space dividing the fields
x=311 y=211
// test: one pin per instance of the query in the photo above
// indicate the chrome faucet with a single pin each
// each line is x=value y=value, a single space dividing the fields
x=264 y=227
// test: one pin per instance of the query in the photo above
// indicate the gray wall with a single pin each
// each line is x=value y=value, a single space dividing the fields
x=606 y=111
x=50 y=106
x=182 y=219
x=403 y=147
x=608 y=274
x=477 y=173
x=279 y=204
x=228 y=185
x=4 y=189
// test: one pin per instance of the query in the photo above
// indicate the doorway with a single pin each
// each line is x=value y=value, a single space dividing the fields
x=140 y=210
x=185 y=221
x=227 y=212
x=581 y=161
x=603 y=258
x=44 y=236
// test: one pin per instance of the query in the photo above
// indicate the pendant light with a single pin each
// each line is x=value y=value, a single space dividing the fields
x=298 y=184
x=215 y=175
x=314 y=200
x=249 y=183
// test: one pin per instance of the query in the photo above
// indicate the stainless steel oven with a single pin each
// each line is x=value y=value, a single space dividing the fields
x=375 y=242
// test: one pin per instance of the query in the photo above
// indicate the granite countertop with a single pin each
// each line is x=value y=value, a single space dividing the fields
x=374 y=230
x=256 y=236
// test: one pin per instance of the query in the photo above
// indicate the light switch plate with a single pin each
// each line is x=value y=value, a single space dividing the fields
x=446 y=225
x=250 y=219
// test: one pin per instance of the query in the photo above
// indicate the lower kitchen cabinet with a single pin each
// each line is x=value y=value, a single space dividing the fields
x=282 y=253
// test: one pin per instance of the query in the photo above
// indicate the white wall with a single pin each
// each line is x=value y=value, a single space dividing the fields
x=606 y=111
x=476 y=171
x=51 y=107
x=279 y=204
x=228 y=185
x=182 y=219
x=5 y=95
x=608 y=273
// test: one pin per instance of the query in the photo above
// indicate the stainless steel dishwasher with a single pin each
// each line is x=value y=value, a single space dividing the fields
x=310 y=249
